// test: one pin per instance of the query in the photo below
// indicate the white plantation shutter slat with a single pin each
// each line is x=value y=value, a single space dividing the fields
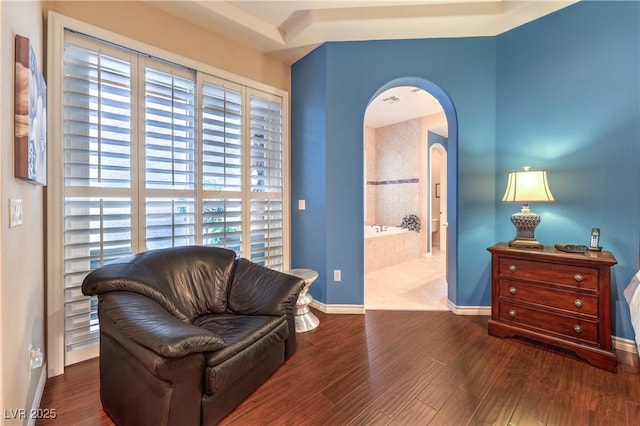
x=221 y=138
x=267 y=233
x=96 y=230
x=170 y=222
x=97 y=151
x=222 y=223
x=97 y=118
x=222 y=165
x=169 y=130
x=266 y=145
x=266 y=172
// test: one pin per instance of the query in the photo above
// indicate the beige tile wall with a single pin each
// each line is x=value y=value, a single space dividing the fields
x=398 y=155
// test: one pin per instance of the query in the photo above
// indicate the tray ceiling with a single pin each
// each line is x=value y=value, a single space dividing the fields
x=288 y=30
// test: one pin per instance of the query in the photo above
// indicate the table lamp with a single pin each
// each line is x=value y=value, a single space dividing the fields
x=526 y=186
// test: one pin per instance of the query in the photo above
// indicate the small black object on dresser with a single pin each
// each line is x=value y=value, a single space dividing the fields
x=572 y=248
x=554 y=297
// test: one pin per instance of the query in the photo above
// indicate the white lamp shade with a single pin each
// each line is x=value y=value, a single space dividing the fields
x=527 y=186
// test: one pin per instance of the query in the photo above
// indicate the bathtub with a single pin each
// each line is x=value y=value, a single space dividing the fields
x=391 y=246
x=375 y=232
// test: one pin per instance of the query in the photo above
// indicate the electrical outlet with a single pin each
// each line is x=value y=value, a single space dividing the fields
x=15 y=212
x=36 y=358
x=302 y=205
x=337 y=275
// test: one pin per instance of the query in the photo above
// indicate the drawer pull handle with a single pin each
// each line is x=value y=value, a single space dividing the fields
x=577 y=328
x=578 y=277
x=513 y=268
x=578 y=303
x=513 y=290
x=512 y=313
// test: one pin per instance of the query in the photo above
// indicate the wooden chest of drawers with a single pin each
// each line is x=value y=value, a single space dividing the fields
x=557 y=298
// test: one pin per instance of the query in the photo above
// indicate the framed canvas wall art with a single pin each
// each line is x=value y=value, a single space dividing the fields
x=30 y=116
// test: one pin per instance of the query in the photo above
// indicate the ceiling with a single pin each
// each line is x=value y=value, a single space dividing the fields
x=401 y=104
x=289 y=29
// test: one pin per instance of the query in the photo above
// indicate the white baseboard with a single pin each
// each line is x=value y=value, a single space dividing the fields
x=624 y=345
x=337 y=309
x=360 y=309
x=469 y=310
x=37 y=398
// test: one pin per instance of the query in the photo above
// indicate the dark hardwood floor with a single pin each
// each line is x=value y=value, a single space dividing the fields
x=405 y=368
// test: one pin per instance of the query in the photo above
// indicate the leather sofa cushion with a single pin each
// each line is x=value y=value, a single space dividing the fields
x=186 y=281
x=248 y=338
x=140 y=319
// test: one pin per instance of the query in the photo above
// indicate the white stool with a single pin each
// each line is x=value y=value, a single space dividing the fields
x=304 y=318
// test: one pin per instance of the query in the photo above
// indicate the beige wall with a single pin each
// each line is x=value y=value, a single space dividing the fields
x=142 y=22
x=22 y=247
x=22 y=259
x=370 y=201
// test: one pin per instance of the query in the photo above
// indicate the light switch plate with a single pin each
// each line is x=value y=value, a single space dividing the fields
x=15 y=212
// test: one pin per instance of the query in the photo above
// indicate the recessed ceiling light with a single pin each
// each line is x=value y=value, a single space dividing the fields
x=391 y=99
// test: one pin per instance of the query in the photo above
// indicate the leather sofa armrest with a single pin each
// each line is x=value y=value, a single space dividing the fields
x=256 y=290
x=144 y=321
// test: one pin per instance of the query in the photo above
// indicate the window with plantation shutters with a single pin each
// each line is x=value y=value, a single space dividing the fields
x=170 y=158
x=222 y=165
x=157 y=155
x=98 y=194
x=266 y=156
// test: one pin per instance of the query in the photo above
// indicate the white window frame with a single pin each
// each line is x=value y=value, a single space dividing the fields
x=57 y=24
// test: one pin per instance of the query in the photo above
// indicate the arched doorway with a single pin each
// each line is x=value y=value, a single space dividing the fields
x=446 y=188
x=403 y=187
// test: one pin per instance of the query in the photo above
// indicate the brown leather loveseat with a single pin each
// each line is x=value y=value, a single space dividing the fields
x=187 y=333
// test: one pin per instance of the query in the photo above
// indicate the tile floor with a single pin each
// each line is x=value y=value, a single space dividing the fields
x=417 y=285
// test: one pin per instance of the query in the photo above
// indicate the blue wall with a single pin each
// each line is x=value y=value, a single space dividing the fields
x=561 y=93
x=458 y=72
x=309 y=178
x=569 y=102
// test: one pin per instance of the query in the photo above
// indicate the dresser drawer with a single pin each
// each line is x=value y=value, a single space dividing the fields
x=567 y=275
x=566 y=300
x=546 y=322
